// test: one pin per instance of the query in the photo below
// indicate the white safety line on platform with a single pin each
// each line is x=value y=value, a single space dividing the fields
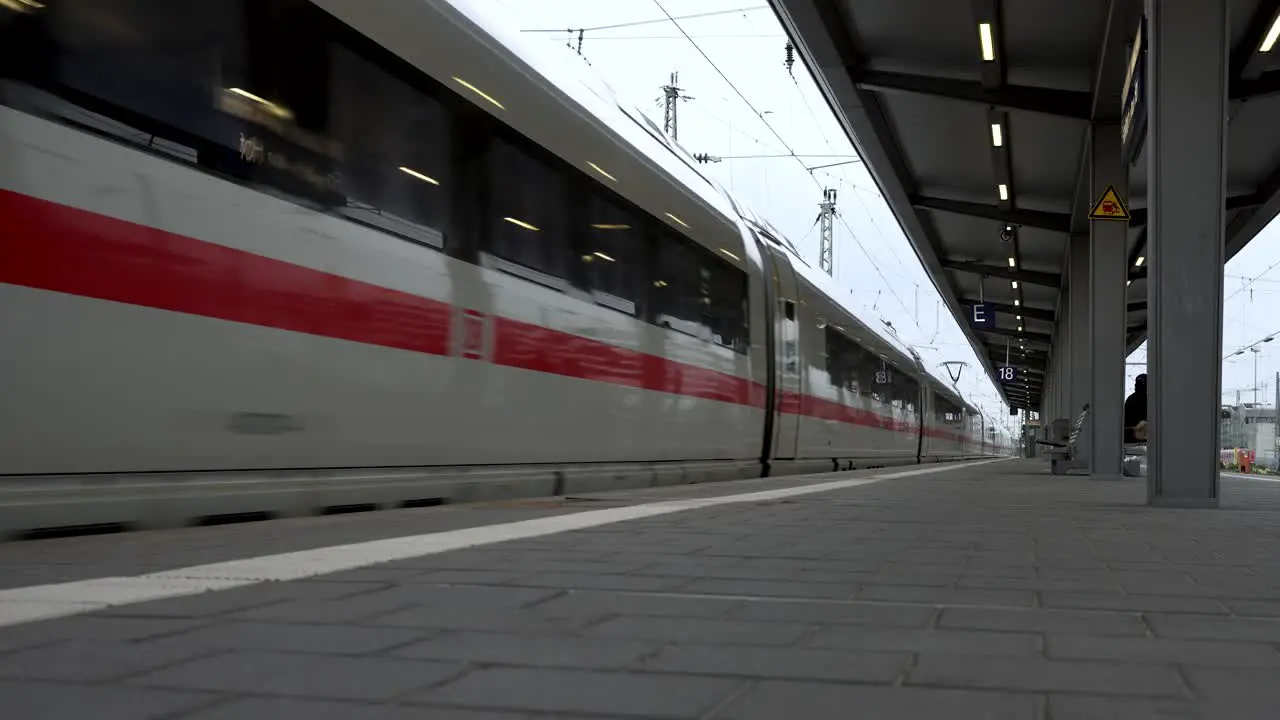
x=44 y=602
x=1242 y=476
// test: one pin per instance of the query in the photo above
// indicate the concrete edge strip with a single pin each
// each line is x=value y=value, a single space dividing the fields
x=44 y=602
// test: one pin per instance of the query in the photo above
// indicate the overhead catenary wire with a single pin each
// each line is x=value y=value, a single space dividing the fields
x=636 y=23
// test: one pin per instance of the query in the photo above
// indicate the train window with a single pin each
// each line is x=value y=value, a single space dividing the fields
x=395 y=167
x=725 y=302
x=527 y=207
x=676 y=284
x=613 y=246
x=906 y=392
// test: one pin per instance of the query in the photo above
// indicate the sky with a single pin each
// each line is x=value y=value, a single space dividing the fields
x=743 y=101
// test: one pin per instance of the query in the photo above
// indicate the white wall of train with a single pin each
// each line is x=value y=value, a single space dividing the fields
x=119 y=408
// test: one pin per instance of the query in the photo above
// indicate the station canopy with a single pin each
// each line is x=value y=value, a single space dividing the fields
x=973 y=118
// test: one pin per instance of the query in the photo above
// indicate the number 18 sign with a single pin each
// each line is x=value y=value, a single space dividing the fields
x=1007 y=373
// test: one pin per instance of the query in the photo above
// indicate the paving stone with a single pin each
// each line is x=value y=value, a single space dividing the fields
x=857 y=613
x=458 y=576
x=587 y=581
x=78 y=661
x=767 y=589
x=242 y=598
x=1218 y=683
x=532 y=650
x=1254 y=608
x=1132 y=603
x=1036 y=675
x=291 y=709
x=315 y=676
x=290 y=637
x=700 y=630
x=344 y=610
x=592 y=604
x=947 y=596
x=814 y=701
x=1214 y=628
x=784 y=663
x=567 y=691
x=94 y=628
x=453 y=617
x=26 y=700
x=1161 y=650
x=924 y=641
x=1066 y=707
x=1046 y=621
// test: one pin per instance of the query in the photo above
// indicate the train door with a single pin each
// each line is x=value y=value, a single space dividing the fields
x=788 y=390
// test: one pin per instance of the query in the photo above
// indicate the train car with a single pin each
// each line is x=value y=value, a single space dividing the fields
x=290 y=256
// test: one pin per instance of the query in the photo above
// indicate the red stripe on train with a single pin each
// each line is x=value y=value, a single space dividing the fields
x=50 y=246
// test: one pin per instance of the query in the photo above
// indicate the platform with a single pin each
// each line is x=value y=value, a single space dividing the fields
x=987 y=591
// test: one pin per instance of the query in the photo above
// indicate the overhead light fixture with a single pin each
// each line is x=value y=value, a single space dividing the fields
x=1019 y=317
x=997 y=135
x=659 y=283
x=610 y=226
x=1272 y=35
x=478 y=91
x=602 y=256
x=673 y=217
x=1141 y=259
x=988 y=42
x=1015 y=284
x=521 y=223
x=726 y=252
x=602 y=172
x=1016 y=301
x=279 y=111
x=1127 y=283
x=420 y=176
x=1013 y=263
x=1004 y=191
x=1019 y=328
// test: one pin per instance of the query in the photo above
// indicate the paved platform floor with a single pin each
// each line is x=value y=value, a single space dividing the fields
x=994 y=591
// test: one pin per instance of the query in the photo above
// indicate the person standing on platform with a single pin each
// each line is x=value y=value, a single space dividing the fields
x=1135 y=412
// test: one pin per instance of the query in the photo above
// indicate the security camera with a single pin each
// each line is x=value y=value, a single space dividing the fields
x=1006 y=233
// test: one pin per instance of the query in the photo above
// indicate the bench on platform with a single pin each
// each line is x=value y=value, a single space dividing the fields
x=1061 y=446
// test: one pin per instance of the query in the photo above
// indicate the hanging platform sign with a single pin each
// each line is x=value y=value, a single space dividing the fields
x=1109 y=206
x=1133 y=108
x=982 y=315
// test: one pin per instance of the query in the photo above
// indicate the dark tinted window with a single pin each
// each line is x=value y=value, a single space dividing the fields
x=614 y=243
x=395 y=164
x=527 y=207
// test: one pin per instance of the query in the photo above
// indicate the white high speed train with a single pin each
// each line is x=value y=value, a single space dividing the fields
x=292 y=256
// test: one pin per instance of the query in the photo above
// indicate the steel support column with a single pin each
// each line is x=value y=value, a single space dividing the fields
x=1108 y=260
x=1186 y=142
x=1081 y=357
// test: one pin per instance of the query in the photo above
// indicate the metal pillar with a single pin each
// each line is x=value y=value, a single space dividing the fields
x=1062 y=348
x=1108 y=261
x=1081 y=391
x=1186 y=142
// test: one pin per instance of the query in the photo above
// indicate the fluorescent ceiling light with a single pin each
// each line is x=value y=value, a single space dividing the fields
x=1004 y=191
x=1013 y=263
x=726 y=252
x=1141 y=259
x=602 y=256
x=1019 y=317
x=997 y=135
x=673 y=217
x=279 y=111
x=1127 y=283
x=1016 y=301
x=478 y=91
x=602 y=172
x=659 y=283
x=1015 y=284
x=520 y=223
x=1272 y=35
x=988 y=43
x=610 y=226
x=1019 y=328
x=419 y=175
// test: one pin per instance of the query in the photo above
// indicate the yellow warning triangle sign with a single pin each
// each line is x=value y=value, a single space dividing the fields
x=1109 y=206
